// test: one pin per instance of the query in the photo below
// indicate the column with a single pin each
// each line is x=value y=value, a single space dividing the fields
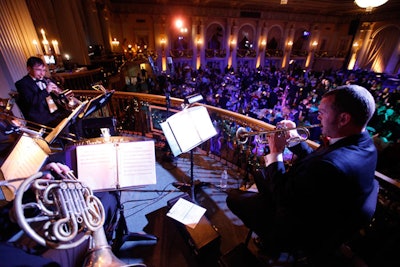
x=288 y=47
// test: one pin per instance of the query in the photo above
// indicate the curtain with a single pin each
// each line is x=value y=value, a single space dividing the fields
x=381 y=49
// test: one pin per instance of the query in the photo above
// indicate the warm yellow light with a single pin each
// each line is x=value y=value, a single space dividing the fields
x=37 y=48
x=290 y=43
x=370 y=4
x=315 y=43
x=55 y=46
x=179 y=23
x=115 y=42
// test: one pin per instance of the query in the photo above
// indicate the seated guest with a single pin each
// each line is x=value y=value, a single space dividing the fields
x=314 y=204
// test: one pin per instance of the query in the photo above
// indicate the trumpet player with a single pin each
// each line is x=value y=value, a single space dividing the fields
x=35 y=95
x=327 y=194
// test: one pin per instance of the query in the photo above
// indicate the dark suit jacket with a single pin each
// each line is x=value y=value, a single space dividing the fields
x=321 y=196
x=32 y=103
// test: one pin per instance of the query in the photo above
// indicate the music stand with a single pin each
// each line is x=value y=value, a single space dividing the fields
x=125 y=163
x=95 y=104
x=186 y=130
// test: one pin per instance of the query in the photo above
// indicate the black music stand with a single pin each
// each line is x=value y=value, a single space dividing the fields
x=186 y=130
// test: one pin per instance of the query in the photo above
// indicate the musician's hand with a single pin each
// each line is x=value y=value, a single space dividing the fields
x=52 y=87
x=276 y=142
x=57 y=168
x=286 y=124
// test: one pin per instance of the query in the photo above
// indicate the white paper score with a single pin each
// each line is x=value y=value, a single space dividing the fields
x=186 y=212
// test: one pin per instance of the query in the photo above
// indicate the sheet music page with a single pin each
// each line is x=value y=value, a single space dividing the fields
x=136 y=163
x=186 y=212
x=199 y=115
x=184 y=130
x=97 y=166
x=26 y=159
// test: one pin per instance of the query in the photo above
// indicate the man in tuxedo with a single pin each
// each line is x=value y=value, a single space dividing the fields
x=319 y=200
x=35 y=95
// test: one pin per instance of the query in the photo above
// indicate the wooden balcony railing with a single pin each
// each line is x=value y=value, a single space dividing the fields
x=80 y=80
x=141 y=114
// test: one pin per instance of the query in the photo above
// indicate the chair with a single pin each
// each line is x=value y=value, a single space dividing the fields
x=343 y=238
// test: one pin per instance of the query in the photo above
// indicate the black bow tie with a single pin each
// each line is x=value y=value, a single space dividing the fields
x=40 y=81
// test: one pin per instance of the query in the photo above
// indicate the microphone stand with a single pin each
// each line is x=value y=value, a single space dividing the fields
x=168 y=153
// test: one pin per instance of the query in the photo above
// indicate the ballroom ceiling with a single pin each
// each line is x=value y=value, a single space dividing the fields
x=314 y=7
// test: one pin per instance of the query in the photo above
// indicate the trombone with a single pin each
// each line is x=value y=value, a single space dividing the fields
x=31 y=128
x=303 y=134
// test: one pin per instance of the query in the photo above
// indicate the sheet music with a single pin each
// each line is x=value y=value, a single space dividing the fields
x=187 y=129
x=97 y=165
x=110 y=166
x=136 y=163
x=186 y=212
x=184 y=130
x=26 y=159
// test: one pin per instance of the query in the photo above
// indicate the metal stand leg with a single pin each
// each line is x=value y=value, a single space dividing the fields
x=122 y=233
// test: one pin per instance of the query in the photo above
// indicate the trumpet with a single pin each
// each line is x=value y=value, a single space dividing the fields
x=64 y=98
x=303 y=134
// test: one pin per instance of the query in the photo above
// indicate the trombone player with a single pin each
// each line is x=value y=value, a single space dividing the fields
x=321 y=199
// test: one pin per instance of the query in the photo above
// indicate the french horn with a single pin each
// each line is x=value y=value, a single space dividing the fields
x=63 y=215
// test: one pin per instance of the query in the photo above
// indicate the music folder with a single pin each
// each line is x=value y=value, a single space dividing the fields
x=111 y=166
x=187 y=129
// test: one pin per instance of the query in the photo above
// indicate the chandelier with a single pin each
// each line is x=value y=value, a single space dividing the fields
x=369 y=4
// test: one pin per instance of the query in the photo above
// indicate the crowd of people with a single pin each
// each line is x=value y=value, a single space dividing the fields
x=271 y=95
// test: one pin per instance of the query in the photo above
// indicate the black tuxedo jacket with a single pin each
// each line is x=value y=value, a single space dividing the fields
x=31 y=101
x=324 y=191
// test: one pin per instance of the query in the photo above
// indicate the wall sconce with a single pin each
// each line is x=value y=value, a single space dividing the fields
x=163 y=42
x=314 y=45
x=356 y=46
x=115 y=42
x=263 y=43
x=289 y=45
x=37 y=48
x=198 y=43
x=231 y=45
x=114 y=45
x=56 y=48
